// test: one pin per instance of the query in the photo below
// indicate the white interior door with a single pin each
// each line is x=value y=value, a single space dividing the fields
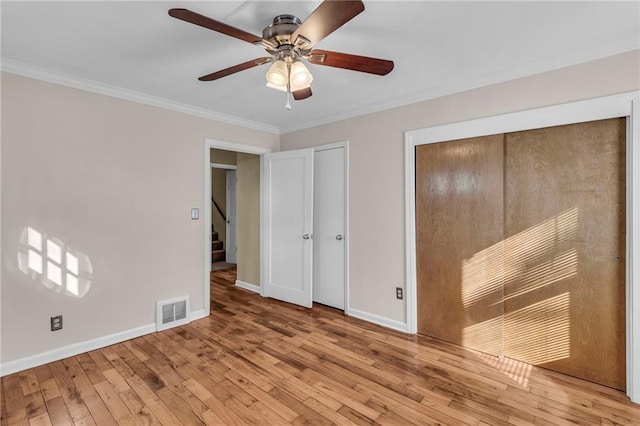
x=288 y=180
x=329 y=227
x=231 y=242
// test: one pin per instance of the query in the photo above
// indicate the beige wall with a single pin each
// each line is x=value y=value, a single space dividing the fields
x=219 y=193
x=376 y=162
x=113 y=180
x=248 y=219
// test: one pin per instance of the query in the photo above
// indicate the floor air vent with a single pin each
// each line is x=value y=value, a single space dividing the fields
x=171 y=313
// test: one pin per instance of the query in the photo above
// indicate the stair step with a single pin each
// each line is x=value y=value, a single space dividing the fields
x=218 y=256
x=214 y=236
x=217 y=245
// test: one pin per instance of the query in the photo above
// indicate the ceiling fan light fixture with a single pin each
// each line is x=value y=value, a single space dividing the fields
x=282 y=88
x=301 y=78
x=277 y=74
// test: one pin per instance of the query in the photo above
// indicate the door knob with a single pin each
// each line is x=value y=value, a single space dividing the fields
x=306 y=236
x=339 y=237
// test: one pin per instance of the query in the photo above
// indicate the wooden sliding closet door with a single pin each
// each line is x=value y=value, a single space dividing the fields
x=564 y=296
x=459 y=228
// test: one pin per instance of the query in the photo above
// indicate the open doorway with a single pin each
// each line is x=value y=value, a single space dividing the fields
x=223 y=209
x=232 y=213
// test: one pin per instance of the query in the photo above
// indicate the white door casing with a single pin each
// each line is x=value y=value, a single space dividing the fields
x=231 y=217
x=329 y=227
x=288 y=184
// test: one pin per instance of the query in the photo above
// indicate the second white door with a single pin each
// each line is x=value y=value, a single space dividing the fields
x=329 y=227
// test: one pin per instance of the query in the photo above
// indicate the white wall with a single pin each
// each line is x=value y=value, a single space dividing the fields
x=114 y=180
x=376 y=186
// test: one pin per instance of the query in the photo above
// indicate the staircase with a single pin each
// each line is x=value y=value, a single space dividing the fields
x=217 y=248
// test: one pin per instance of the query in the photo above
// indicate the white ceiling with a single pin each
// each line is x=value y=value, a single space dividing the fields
x=438 y=48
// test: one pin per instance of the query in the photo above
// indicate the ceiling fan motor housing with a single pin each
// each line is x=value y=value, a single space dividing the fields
x=279 y=32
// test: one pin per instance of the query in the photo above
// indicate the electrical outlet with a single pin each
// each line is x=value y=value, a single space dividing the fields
x=56 y=323
x=399 y=293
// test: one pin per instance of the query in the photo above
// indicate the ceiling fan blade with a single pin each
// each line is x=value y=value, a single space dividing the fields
x=236 y=68
x=206 y=22
x=328 y=17
x=301 y=94
x=351 y=62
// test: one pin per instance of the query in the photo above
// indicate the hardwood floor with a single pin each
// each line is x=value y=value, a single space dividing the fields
x=259 y=361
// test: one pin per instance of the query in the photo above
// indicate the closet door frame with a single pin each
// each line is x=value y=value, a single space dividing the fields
x=623 y=105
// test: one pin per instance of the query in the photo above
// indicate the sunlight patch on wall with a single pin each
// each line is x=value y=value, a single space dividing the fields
x=513 y=271
x=485 y=336
x=561 y=267
x=487 y=271
x=482 y=275
x=539 y=333
x=529 y=246
x=55 y=265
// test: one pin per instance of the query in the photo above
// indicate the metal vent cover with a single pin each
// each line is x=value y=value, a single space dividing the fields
x=172 y=312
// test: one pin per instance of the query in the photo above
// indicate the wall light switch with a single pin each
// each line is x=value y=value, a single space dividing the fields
x=195 y=214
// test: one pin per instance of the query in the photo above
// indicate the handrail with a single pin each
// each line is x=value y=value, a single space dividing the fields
x=218 y=208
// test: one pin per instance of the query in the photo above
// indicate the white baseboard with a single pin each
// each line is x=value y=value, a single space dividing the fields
x=101 y=342
x=73 y=349
x=196 y=315
x=248 y=286
x=377 y=319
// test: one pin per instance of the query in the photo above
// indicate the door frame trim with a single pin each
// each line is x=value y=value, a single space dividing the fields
x=226 y=146
x=223 y=166
x=345 y=145
x=622 y=105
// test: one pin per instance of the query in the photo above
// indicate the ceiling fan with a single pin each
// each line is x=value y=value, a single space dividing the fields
x=288 y=40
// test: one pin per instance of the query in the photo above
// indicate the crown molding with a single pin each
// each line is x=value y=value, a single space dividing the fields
x=445 y=89
x=44 y=74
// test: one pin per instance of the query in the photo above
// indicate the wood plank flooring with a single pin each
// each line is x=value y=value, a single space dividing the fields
x=259 y=361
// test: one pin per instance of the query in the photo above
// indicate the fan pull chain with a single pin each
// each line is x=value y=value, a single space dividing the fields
x=288 y=105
